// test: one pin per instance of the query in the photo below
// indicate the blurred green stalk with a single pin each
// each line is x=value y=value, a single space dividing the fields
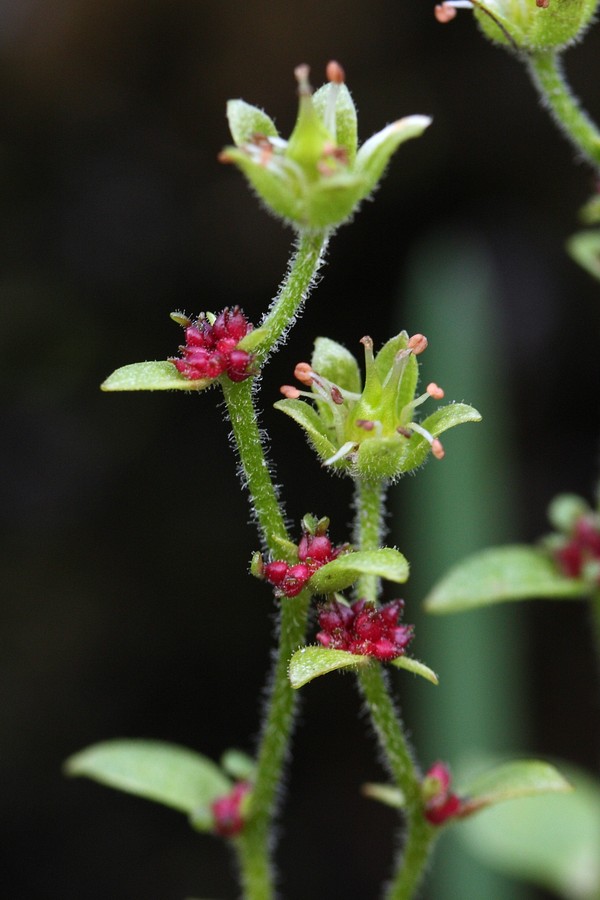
x=453 y=507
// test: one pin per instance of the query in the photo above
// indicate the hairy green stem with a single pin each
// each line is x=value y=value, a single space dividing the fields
x=254 y=845
x=545 y=70
x=388 y=727
x=294 y=290
x=370 y=498
x=419 y=833
x=257 y=477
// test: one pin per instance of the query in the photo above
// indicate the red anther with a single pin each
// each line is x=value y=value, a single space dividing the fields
x=445 y=12
x=304 y=373
x=336 y=395
x=289 y=391
x=365 y=424
x=435 y=391
x=334 y=72
x=437 y=448
x=417 y=343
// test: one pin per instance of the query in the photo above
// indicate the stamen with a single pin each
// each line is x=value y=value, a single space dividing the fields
x=417 y=343
x=335 y=72
x=365 y=424
x=435 y=391
x=291 y=392
x=304 y=373
x=344 y=450
x=542 y=4
x=335 y=76
x=301 y=74
x=436 y=445
x=444 y=13
x=336 y=395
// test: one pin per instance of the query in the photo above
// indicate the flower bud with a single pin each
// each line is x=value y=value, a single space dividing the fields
x=317 y=178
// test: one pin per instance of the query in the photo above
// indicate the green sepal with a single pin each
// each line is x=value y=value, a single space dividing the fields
x=334 y=362
x=345 y=116
x=166 y=773
x=375 y=154
x=499 y=574
x=342 y=572
x=416 y=667
x=584 y=248
x=278 y=194
x=152 y=376
x=253 y=339
x=565 y=510
x=238 y=765
x=308 y=418
x=387 y=794
x=551 y=840
x=311 y=662
x=437 y=423
x=518 y=778
x=246 y=121
x=523 y=25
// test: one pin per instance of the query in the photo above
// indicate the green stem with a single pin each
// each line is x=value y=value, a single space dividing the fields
x=545 y=70
x=255 y=843
x=246 y=433
x=300 y=278
x=370 y=498
x=375 y=689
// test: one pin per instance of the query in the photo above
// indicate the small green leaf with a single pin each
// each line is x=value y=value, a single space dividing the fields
x=416 y=667
x=551 y=840
x=246 y=121
x=238 y=765
x=334 y=362
x=310 y=662
x=166 y=773
x=253 y=339
x=344 y=571
x=152 y=376
x=518 y=778
x=384 y=793
x=584 y=247
x=374 y=155
x=515 y=572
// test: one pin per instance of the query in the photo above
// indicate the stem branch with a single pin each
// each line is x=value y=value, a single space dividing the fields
x=545 y=71
x=254 y=845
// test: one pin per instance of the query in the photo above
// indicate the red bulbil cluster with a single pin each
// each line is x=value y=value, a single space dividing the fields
x=314 y=550
x=227 y=810
x=440 y=803
x=582 y=548
x=211 y=350
x=365 y=629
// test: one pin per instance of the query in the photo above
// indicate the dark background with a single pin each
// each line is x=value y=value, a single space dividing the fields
x=126 y=609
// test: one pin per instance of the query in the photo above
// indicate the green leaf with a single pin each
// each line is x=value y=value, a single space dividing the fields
x=246 y=121
x=416 y=667
x=253 y=339
x=551 y=840
x=515 y=572
x=374 y=155
x=584 y=247
x=337 y=364
x=166 y=773
x=343 y=571
x=518 y=778
x=152 y=376
x=238 y=765
x=311 y=662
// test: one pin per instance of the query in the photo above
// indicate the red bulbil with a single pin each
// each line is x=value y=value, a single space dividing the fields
x=211 y=350
x=441 y=803
x=365 y=629
x=582 y=548
x=314 y=550
x=227 y=810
